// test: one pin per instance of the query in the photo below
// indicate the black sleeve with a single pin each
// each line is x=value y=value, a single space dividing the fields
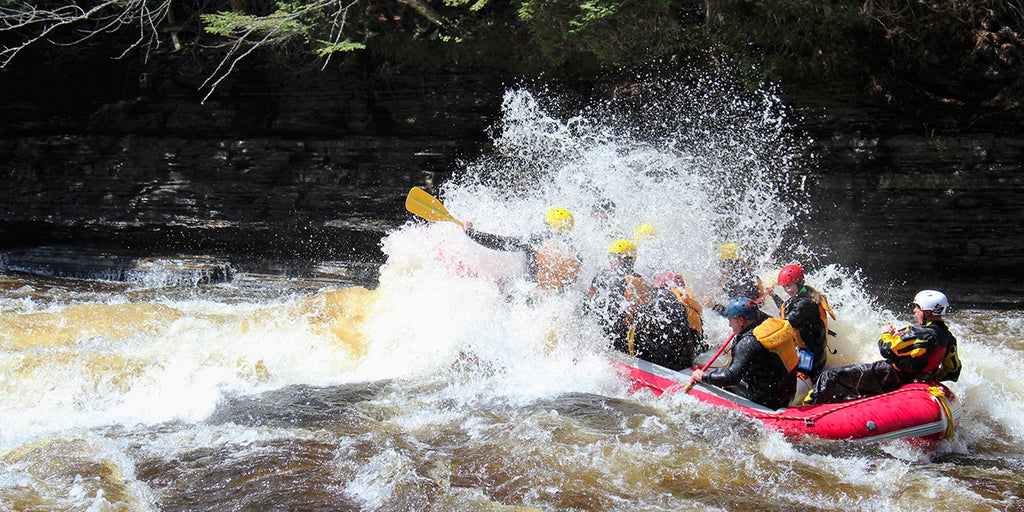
x=805 y=315
x=801 y=309
x=744 y=352
x=496 y=242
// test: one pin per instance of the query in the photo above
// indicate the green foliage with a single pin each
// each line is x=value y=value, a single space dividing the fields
x=791 y=39
x=233 y=24
x=877 y=43
x=476 y=4
x=327 y=27
x=956 y=51
x=615 y=32
x=328 y=47
x=949 y=52
x=312 y=24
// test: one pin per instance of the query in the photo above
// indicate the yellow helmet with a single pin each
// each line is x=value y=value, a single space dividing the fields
x=559 y=220
x=729 y=252
x=644 y=233
x=623 y=248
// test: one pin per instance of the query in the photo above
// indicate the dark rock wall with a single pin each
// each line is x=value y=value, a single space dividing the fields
x=281 y=166
x=914 y=203
x=271 y=164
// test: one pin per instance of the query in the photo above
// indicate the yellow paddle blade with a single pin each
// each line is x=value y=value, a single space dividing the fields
x=420 y=203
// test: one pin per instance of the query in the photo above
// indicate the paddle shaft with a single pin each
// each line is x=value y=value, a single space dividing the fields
x=708 y=364
x=764 y=293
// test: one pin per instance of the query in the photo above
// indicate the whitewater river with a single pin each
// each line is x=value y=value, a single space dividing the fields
x=450 y=383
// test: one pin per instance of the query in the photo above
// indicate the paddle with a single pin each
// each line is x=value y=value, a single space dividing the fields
x=420 y=203
x=764 y=293
x=708 y=364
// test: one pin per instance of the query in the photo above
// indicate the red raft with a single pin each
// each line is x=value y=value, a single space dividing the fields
x=923 y=413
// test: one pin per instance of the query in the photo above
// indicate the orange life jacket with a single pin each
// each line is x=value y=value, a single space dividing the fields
x=693 y=309
x=823 y=308
x=557 y=266
x=638 y=293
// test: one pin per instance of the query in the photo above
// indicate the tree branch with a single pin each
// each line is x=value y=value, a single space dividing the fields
x=425 y=10
x=109 y=16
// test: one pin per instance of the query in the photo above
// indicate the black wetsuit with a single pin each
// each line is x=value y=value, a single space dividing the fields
x=508 y=243
x=755 y=372
x=805 y=316
x=607 y=302
x=903 y=363
x=663 y=332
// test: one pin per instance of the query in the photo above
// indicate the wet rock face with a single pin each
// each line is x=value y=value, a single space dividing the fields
x=915 y=208
x=954 y=223
x=275 y=166
x=87 y=263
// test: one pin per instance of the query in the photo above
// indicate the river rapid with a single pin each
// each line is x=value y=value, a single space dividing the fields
x=451 y=383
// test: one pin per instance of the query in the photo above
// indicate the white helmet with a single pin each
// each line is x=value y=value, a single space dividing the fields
x=932 y=300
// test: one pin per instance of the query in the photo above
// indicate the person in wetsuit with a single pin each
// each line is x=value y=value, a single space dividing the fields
x=550 y=259
x=737 y=279
x=805 y=309
x=616 y=294
x=669 y=328
x=754 y=371
x=925 y=351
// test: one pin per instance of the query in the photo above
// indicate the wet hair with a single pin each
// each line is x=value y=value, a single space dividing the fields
x=604 y=205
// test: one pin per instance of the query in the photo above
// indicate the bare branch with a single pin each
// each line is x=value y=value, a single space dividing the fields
x=35 y=25
x=233 y=62
x=71 y=24
x=236 y=53
x=337 y=27
x=425 y=10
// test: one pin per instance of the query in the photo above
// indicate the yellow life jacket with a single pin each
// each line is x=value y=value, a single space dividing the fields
x=910 y=354
x=557 y=266
x=693 y=309
x=780 y=337
x=910 y=348
x=949 y=369
x=923 y=357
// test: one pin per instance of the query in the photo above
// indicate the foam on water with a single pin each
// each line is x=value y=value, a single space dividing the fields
x=97 y=363
x=702 y=177
x=702 y=169
x=472 y=350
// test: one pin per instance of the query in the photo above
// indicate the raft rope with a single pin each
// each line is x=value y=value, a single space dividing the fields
x=937 y=393
x=940 y=397
x=809 y=420
x=728 y=360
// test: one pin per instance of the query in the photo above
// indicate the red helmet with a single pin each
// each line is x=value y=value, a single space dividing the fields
x=790 y=274
x=669 y=278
